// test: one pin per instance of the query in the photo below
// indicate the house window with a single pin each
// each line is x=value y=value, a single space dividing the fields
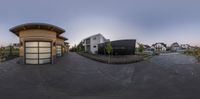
x=94 y=46
x=94 y=38
x=88 y=41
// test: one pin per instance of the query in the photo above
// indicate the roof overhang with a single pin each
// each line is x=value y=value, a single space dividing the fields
x=61 y=37
x=29 y=26
x=66 y=42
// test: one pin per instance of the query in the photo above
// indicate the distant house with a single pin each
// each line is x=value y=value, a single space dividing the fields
x=147 y=48
x=16 y=45
x=159 y=47
x=185 y=46
x=175 y=47
x=91 y=43
x=120 y=47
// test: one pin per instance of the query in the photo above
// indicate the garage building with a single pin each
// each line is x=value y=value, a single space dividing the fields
x=40 y=43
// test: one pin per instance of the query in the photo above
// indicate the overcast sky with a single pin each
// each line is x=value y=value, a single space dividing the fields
x=148 y=21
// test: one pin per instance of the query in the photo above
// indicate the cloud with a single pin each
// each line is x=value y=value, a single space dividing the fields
x=147 y=21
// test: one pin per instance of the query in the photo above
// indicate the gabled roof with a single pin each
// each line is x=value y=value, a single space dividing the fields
x=44 y=26
x=165 y=45
x=66 y=42
x=147 y=46
x=99 y=34
x=185 y=45
x=175 y=44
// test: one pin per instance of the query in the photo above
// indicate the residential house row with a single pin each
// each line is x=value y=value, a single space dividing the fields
x=96 y=44
x=162 y=47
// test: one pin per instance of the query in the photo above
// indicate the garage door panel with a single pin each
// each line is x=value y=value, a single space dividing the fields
x=44 y=44
x=31 y=61
x=31 y=50
x=31 y=44
x=32 y=56
x=44 y=50
x=44 y=55
x=43 y=61
x=59 y=50
x=58 y=47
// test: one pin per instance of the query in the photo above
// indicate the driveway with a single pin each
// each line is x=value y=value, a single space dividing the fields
x=76 y=77
x=168 y=59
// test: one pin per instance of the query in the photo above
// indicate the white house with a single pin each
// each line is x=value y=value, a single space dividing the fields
x=147 y=48
x=175 y=47
x=91 y=43
x=185 y=46
x=159 y=47
x=16 y=45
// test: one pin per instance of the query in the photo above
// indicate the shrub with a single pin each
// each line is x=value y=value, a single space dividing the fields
x=195 y=52
x=190 y=52
x=141 y=48
x=7 y=54
x=198 y=54
x=2 y=53
x=109 y=50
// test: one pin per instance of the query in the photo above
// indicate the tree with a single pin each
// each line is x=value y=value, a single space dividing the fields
x=2 y=54
x=198 y=54
x=109 y=50
x=80 y=47
x=141 y=48
x=74 y=48
x=10 y=50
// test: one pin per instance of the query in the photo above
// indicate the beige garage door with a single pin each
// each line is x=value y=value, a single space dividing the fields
x=59 y=50
x=38 y=52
